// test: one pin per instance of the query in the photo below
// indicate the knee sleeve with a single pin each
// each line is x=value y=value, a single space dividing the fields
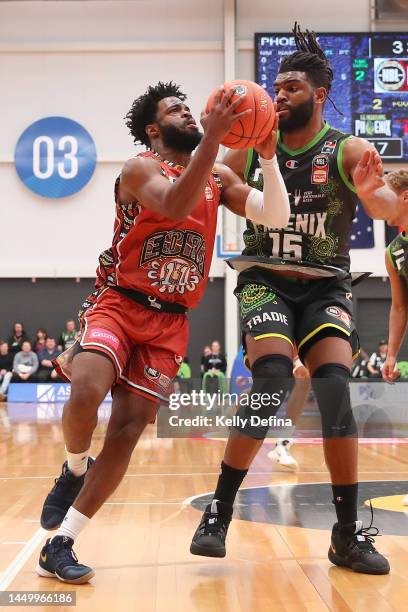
x=272 y=379
x=331 y=388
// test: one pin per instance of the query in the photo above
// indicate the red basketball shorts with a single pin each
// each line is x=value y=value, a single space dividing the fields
x=145 y=347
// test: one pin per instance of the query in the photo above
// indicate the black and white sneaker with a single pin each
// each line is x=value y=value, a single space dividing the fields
x=209 y=539
x=58 y=560
x=352 y=546
x=61 y=497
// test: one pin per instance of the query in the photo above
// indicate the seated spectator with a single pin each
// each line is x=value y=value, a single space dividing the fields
x=17 y=338
x=376 y=361
x=69 y=335
x=359 y=367
x=206 y=352
x=25 y=364
x=39 y=340
x=183 y=378
x=215 y=366
x=6 y=369
x=46 y=355
x=215 y=360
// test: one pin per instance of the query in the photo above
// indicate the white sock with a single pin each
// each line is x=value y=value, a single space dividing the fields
x=72 y=524
x=78 y=462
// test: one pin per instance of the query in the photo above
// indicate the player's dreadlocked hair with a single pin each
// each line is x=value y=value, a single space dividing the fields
x=144 y=109
x=309 y=58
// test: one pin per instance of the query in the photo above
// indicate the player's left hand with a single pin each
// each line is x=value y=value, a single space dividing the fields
x=368 y=175
x=267 y=148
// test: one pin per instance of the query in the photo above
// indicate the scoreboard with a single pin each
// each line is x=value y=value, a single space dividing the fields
x=370 y=85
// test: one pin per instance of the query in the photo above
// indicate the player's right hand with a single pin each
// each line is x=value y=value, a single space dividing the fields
x=218 y=121
x=369 y=174
x=389 y=370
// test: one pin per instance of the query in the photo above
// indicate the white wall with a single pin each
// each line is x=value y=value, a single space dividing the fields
x=88 y=61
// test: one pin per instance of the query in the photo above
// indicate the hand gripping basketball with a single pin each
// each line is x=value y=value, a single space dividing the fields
x=246 y=129
x=218 y=120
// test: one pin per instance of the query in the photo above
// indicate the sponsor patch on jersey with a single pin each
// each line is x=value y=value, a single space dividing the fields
x=209 y=194
x=157 y=377
x=103 y=336
x=329 y=146
x=320 y=170
x=292 y=164
x=339 y=313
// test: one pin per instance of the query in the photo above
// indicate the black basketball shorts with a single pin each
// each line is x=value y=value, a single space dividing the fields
x=299 y=311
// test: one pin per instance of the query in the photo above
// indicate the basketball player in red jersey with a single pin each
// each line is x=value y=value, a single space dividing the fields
x=134 y=328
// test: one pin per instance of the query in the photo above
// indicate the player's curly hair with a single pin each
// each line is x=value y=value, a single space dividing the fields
x=398 y=180
x=144 y=109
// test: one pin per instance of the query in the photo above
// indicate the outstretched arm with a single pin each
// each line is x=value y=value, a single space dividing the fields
x=366 y=170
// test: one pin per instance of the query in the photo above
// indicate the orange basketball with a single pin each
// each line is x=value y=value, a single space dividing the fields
x=248 y=131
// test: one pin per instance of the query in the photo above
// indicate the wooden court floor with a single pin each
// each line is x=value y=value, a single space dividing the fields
x=139 y=542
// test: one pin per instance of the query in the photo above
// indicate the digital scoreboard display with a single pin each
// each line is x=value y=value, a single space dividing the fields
x=370 y=85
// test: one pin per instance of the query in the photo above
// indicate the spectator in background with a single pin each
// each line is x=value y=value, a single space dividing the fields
x=17 y=338
x=215 y=360
x=39 y=340
x=183 y=378
x=359 y=367
x=377 y=360
x=206 y=353
x=69 y=335
x=6 y=369
x=46 y=355
x=215 y=366
x=25 y=364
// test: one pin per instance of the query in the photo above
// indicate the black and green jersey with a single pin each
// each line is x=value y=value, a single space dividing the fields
x=323 y=204
x=398 y=253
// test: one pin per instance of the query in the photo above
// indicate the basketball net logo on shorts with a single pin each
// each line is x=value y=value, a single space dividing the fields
x=175 y=259
x=339 y=313
x=157 y=377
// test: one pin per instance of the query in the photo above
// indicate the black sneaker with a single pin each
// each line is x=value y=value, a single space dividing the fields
x=61 y=497
x=352 y=546
x=57 y=559
x=209 y=539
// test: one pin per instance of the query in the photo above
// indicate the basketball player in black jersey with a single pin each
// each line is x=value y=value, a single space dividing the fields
x=294 y=286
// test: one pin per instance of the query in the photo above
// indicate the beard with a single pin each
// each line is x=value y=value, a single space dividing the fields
x=182 y=141
x=298 y=116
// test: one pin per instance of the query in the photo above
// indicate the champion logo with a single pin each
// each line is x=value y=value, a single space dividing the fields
x=292 y=164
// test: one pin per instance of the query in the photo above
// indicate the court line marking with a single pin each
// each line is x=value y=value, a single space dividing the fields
x=188 y=500
x=21 y=559
x=215 y=473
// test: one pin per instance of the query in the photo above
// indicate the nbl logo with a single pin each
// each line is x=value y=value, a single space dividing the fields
x=390 y=75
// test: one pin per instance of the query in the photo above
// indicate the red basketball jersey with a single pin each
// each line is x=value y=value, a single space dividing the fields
x=160 y=256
